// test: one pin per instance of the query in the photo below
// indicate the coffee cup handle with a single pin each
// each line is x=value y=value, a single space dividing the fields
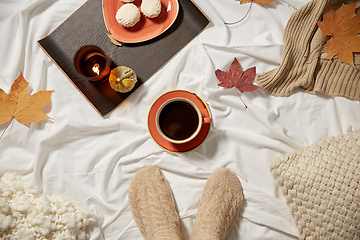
x=207 y=120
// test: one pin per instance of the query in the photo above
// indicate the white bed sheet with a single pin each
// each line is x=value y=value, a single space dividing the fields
x=91 y=159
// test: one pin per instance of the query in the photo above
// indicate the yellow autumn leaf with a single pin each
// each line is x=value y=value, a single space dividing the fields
x=21 y=106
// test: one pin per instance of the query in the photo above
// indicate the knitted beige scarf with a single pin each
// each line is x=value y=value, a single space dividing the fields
x=305 y=65
x=321 y=185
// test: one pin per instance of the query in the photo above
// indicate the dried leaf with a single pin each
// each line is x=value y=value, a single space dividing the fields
x=235 y=77
x=260 y=2
x=341 y=27
x=21 y=106
x=114 y=40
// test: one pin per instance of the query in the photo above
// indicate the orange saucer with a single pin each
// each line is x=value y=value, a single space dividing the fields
x=185 y=147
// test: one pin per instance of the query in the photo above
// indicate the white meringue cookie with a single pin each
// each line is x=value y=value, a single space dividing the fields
x=151 y=8
x=128 y=15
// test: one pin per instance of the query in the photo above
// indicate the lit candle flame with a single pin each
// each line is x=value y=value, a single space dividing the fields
x=96 y=68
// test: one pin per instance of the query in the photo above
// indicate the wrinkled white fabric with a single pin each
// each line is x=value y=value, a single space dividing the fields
x=91 y=159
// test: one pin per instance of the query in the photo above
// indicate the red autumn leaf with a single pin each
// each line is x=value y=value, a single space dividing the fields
x=235 y=77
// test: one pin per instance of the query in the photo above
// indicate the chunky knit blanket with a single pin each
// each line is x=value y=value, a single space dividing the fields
x=321 y=185
x=27 y=214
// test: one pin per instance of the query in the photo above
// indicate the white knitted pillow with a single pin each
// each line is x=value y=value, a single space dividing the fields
x=321 y=185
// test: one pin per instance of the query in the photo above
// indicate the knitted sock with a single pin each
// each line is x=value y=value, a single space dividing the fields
x=153 y=206
x=305 y=62
x=219 y=206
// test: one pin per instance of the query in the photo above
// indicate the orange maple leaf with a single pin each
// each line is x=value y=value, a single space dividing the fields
x=260 y=2
x=21 y=106
x=341 y=27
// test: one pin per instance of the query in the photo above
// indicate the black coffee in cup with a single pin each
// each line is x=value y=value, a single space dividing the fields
x=178 y=120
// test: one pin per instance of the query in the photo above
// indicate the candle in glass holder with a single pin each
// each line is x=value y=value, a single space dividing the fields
x=92 y=62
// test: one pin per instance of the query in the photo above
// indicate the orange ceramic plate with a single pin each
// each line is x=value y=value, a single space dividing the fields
x=146 y=28
x=185 y=147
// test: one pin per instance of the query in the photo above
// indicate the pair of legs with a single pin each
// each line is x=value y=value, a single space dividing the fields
x=154 y=209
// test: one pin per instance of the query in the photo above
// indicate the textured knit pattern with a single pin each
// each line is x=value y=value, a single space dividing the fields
x=321 y=185
x=153 y=206
x=28 y=214
x=219 y=206
x=305 y=63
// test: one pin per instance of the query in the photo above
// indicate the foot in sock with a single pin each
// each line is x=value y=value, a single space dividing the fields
x=219 y=206
x=153 y=205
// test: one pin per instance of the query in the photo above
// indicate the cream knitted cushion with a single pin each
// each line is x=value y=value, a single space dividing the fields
x=321 y=185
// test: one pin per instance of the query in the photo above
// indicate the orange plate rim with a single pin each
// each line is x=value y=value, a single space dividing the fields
x=146 y=28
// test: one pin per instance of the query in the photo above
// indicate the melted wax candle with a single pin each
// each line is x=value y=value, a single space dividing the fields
x=91 y=62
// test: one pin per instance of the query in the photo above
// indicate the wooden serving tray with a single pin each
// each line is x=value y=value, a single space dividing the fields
x=86 y=26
